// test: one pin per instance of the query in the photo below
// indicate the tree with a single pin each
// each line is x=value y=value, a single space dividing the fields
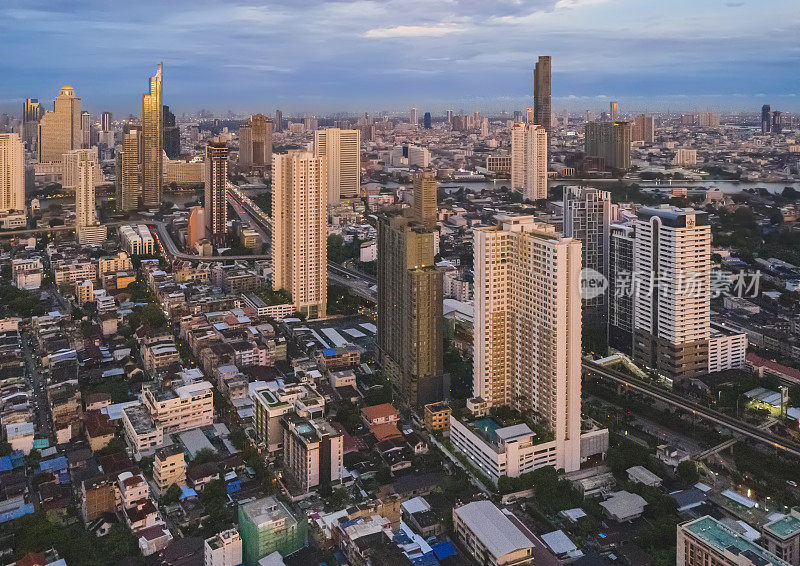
x=172 y=495
x=687 y=473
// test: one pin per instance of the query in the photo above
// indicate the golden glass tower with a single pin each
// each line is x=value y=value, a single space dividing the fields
x=152 y=142
x=60 y=128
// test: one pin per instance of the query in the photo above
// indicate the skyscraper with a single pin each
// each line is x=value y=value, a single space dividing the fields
x=766 y=119
x=105 y=121
x=12 y=173
x=300 y=230
x=410 y=299
x=527 y=337
x=613 y=110
x=620 y=300
x=777 y=122
x=588 y=214
x=278 y=121
x=31 y=114
x=529 y=160
x=172 y=135
x=611 y=141
x=197 y=227
x=672 y=304
x=216 y=201
x=413 y=118
x=643 y=128
x=60 y=128
x=542 y=113
x=255 y=143
x=129 y=183
x=86 y=129
x=426 y=120
x=152 y=142
x=449 y=116
x=342 y=150
x=84 y=163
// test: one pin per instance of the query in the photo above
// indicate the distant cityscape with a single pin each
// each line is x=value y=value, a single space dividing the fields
x=534 y=337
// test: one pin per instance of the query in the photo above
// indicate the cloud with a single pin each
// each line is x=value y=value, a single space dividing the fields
x=564 y=4
x=435 y=30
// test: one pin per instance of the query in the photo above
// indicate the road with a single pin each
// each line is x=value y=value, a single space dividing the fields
x=38 y=385
x=712 y=415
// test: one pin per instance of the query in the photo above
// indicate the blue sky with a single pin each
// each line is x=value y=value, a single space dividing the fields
x=310 y=55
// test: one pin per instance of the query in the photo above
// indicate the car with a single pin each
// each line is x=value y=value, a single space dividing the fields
x=792 y=483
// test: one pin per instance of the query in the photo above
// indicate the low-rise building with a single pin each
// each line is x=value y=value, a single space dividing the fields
x=169 y=467
x=491 y=536
x=312 y=452
x=782 y=537
x=223 y=549
x=437 y=416
x=266 y=526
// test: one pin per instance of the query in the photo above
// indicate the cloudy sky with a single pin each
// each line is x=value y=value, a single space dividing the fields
x=355 y=55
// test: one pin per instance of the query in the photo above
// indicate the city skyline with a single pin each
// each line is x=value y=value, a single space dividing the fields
x=393 y=56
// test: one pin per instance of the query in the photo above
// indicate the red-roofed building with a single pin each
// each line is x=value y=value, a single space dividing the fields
x=379 y=414
x=761 y=365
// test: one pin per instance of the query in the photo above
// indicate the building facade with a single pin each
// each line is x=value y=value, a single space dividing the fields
x=12 y=173
x=342 y=149
x=60 y=128
x=300 y=230
x=529 y=160
x=216 y=191
x=152 y=142
x=542 y=111
x=611 y=141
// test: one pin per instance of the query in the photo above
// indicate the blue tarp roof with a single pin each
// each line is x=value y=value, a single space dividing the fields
x=427 y=559
x=443 y=550
x=54 y=465
x=16 y=513
x=329 y=352
x=187 y=492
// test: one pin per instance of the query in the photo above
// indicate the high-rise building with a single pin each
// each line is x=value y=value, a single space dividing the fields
x=527 y=326
x=255 y=143
x=529 y=160
x=172 y=135
x=672 y=296
x=60 y=128
x=31 y=114
x=588 y=213
x=300 y=230
x=152 y=141
x=426 y=120
x=278 y=121
x=766 y=119
x=613 y=110
x=611 y=141
x=342 y=150
x=129 y=185
x=620 y=296
x=643 y=128
x=777 y=122
x=216 y=195
x=87 y=229
x=542 y=112
x=12 y=173
x=105 y=121
x=86 y=129
x=413 y=118
x=410 y=299
x=449 y=116
x=197 y=227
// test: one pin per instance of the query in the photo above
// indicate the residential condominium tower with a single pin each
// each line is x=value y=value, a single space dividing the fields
x=588 y=214
x=529 y=160
x=527 y=326
x=152 y=142
x=129 y=185
x=410 y=299
x=611 y=141
x=672 y=296
x=12 y=173
x=342 y=149
x=84 y=167
x=216 y=201
x=300 y=230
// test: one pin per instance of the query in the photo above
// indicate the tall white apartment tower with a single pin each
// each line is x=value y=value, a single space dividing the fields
x=12 y=173
x=588 y=213
x=527 y=329
x=300 y=230
x=529 y=160
x=342 y=149
x=672 y=304
x=83 y=162
x=413 y=117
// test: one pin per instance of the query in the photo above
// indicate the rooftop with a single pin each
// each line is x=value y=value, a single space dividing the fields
x=721 y=538
x=268 y=511
x=785 y=527
x=493 y=528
